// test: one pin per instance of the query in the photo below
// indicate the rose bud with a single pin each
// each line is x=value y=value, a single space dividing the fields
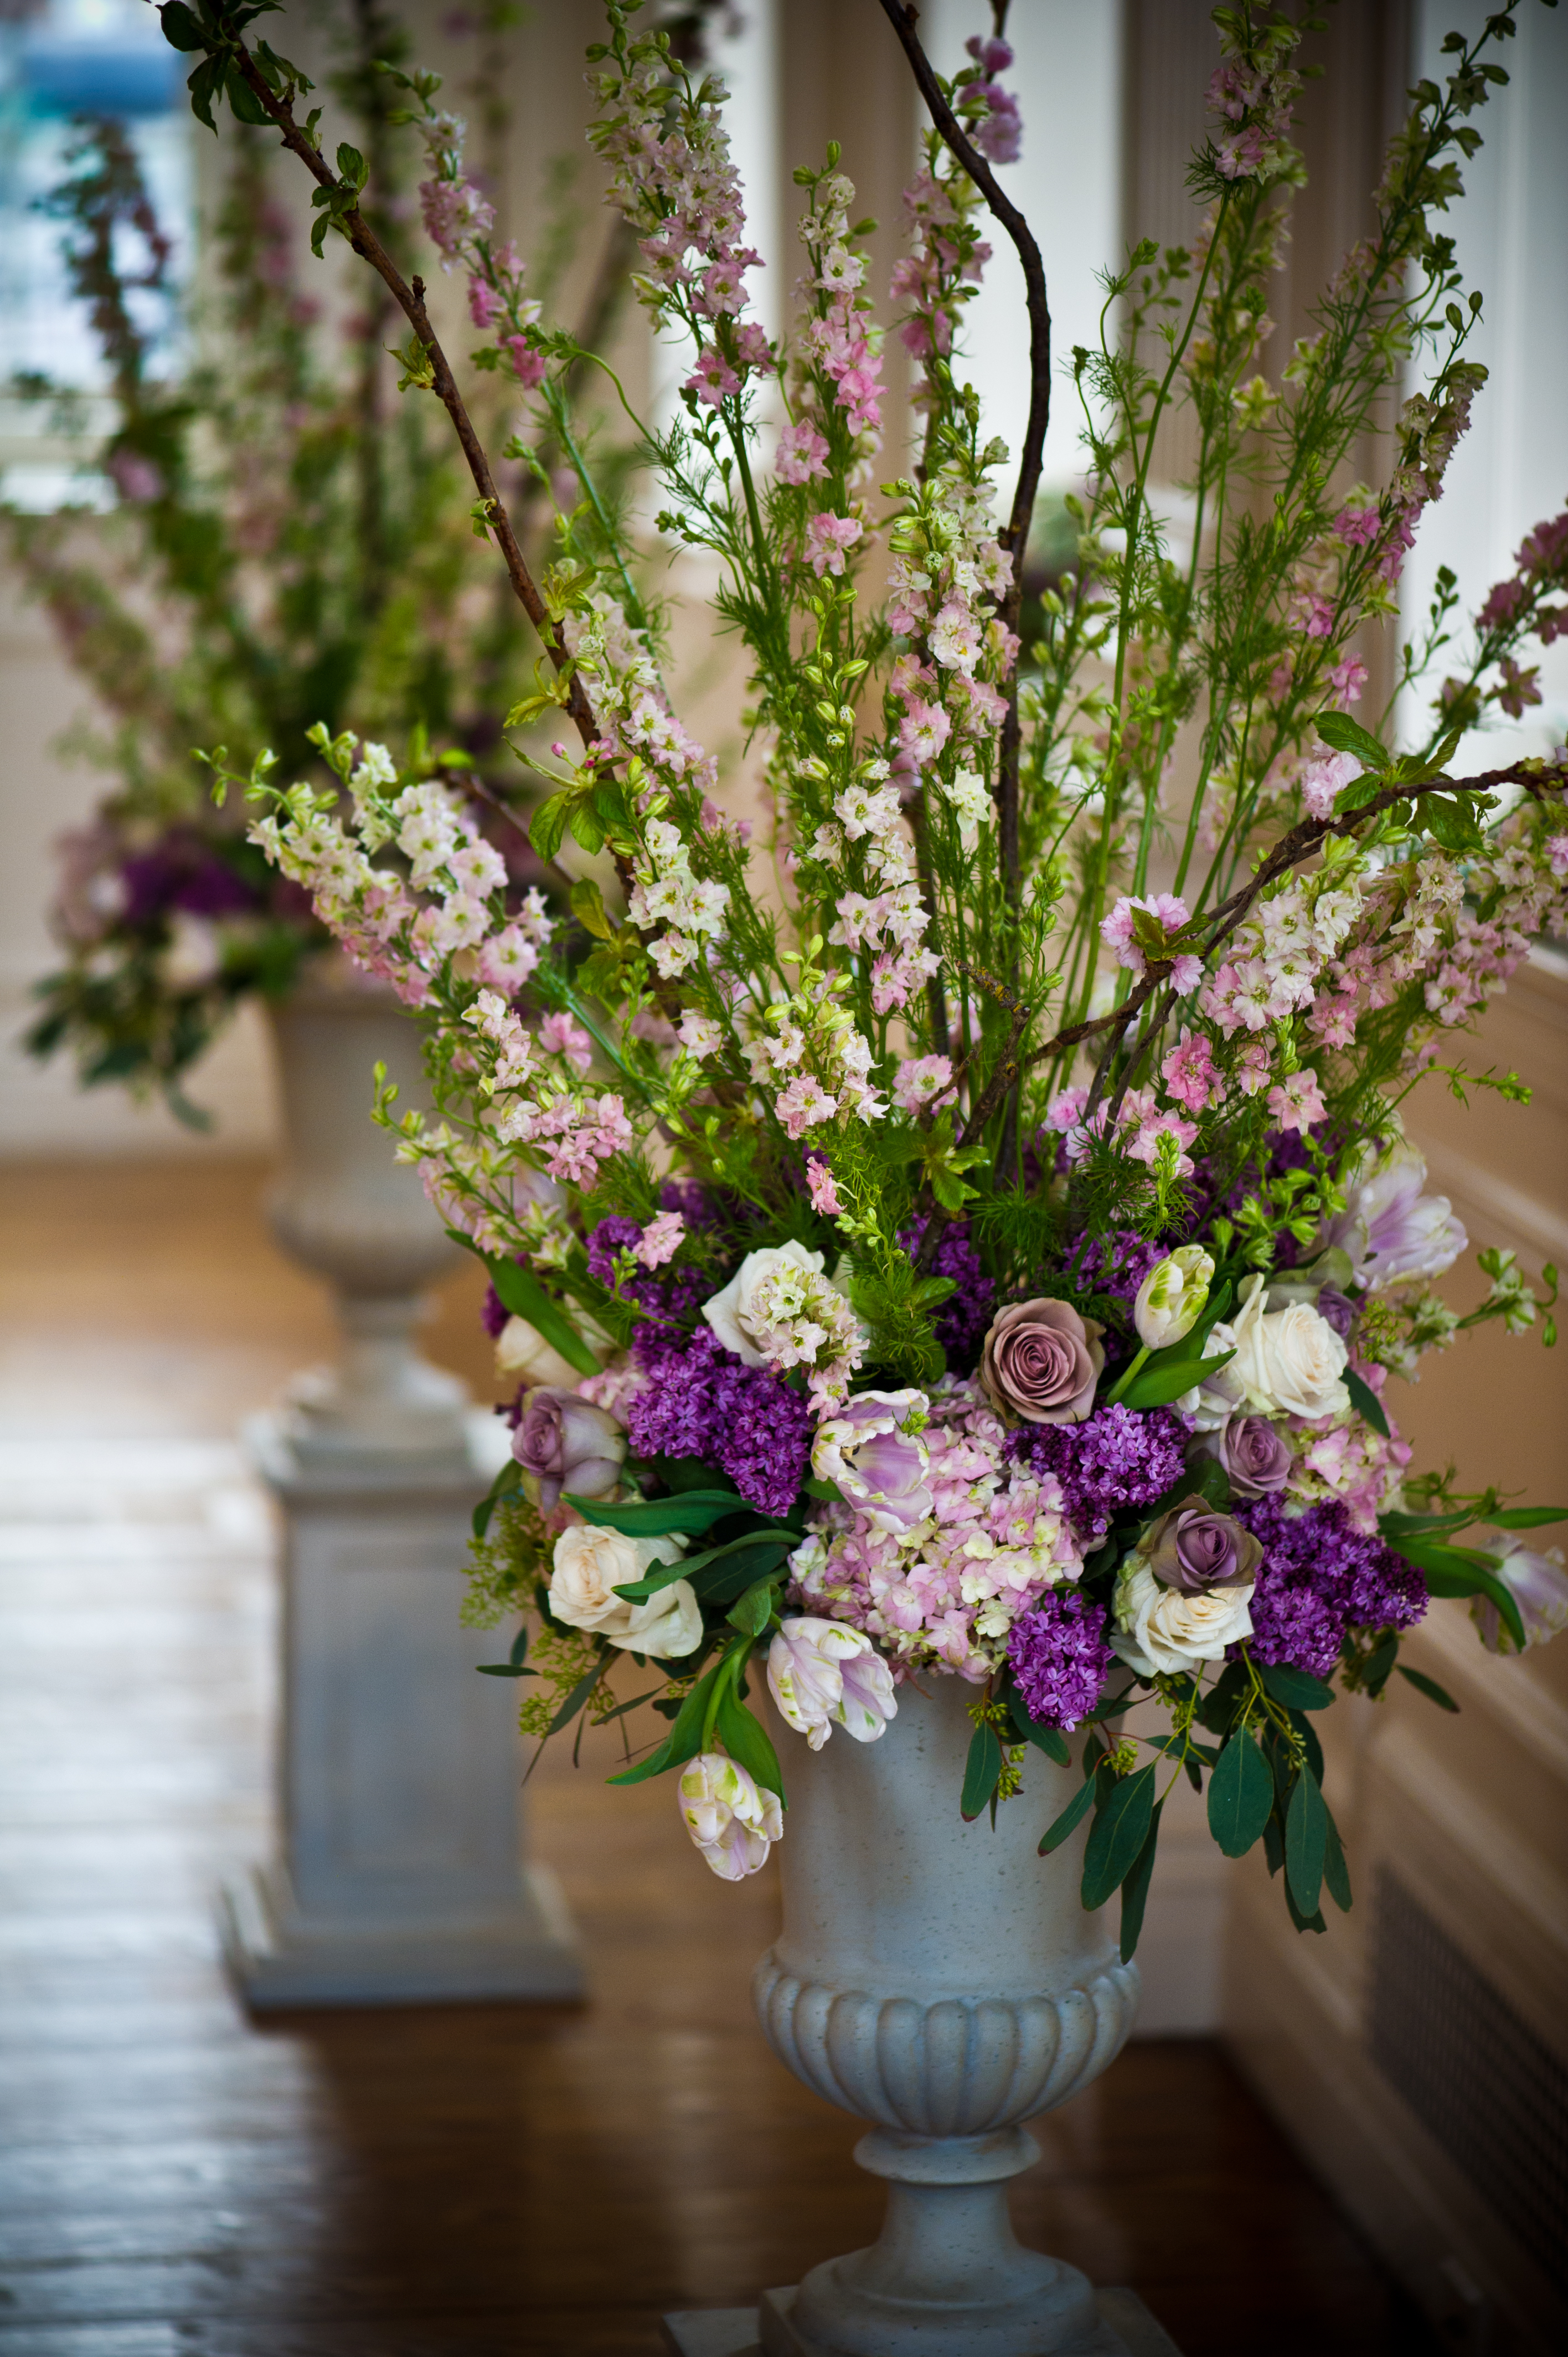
x=1171 y=1297
x=564 y=1444
x=1255 y=1453
x=1042 y=1362
x=733 y=1821
x=1193 y=1549
x=820 y=1672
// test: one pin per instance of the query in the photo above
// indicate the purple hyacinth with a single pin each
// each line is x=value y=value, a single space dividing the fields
x=699 y=1399
x=1061 y=1657
x=1118 y=1457
x=1319 y=1577
x=960 y=1322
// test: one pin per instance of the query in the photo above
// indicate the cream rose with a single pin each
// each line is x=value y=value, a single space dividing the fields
x=522 y=1350
x=1288 y=1361
x=1158 y=1628
x=590 y=1564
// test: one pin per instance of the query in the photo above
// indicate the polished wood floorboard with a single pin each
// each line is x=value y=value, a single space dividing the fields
x=178 y=2181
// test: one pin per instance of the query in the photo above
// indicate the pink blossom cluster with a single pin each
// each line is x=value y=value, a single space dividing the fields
x=990 y=111
x=673 y=178
x=1349 y=1461
x=1119 y=932
x=867 y=838
x=1142 y=1122
x=1541 y=564
x=838 y=371
x=823 y=1060
x=939 y=278
x=1255 y=101
x=942 y=1593
x=458 y=221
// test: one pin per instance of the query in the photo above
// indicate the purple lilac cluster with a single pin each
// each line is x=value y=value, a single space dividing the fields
x=1117 y=1263
x=1118 y=1457
x=1060 y=1656
x=1320 y=1576
x=698 y=1399
x=962 y=1319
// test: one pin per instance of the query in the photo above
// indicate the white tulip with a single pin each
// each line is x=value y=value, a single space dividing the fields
x=590 y=1563
x=822 y=1675
x=1170 y=1299
x=734 y=1822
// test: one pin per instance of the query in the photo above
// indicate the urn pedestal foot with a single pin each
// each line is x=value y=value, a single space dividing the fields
x=1126 y=2327
x=946 y=2277
x=402 y=1880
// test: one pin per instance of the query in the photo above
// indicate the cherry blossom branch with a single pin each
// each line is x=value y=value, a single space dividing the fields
x=410 y=299
x=1289 y=851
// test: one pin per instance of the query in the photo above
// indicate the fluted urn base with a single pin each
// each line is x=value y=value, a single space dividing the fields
x=941 y=1981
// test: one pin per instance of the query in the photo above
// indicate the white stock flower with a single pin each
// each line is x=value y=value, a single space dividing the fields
x=734 y=1822
x=1162 y=1629
x=590 y=1564
x=822 y=1673
x=1288 y=1361
x=1170 y=1299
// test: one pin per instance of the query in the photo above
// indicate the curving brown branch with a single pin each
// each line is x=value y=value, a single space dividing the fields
x=410 y=299
x=1014 y=533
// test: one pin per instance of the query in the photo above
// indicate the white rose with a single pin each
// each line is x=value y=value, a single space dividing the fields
x=591 y=1563
x=1288 y=1361
x=1159 y=1628
x=1214 y=1401
x=731 y=1314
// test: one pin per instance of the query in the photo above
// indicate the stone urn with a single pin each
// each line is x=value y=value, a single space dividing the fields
x=399 y=1875
x=345 y=1209
x=941 y=1981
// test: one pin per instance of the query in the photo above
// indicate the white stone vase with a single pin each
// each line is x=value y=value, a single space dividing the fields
x=345 y=1209
x=941 y=1981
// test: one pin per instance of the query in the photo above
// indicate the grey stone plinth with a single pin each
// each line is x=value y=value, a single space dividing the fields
x=1125 y=2328
x=401 y=1879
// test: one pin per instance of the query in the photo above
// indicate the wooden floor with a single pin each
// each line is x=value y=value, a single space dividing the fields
x=176 y=2181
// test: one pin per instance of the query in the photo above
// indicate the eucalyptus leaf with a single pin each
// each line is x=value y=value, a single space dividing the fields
x=1366 y=1403
x=1306 y=1841
x=982 y=1772
x=1071 y=1817
x=1135 y=1890
x=1117 y=1836
x=1241 y=1795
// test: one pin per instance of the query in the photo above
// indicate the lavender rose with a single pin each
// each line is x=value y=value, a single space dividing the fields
x=1337 y=1310
x=564 y=1444
x=1041 y=1362
x=1195 y=1549
x=1256 y=1454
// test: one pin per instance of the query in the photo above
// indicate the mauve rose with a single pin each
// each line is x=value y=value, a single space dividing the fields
x=1256 y=1454
x=1193 y=1549
x=564 y=1444
x=1041 y=1360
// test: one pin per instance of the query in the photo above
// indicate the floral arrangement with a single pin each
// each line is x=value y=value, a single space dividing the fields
x=970 y=1230
x=284 y=544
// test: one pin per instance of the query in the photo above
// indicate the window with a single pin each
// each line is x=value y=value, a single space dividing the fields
x=61 y=59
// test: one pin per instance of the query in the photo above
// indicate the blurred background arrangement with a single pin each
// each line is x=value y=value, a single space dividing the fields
x=221 y=523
